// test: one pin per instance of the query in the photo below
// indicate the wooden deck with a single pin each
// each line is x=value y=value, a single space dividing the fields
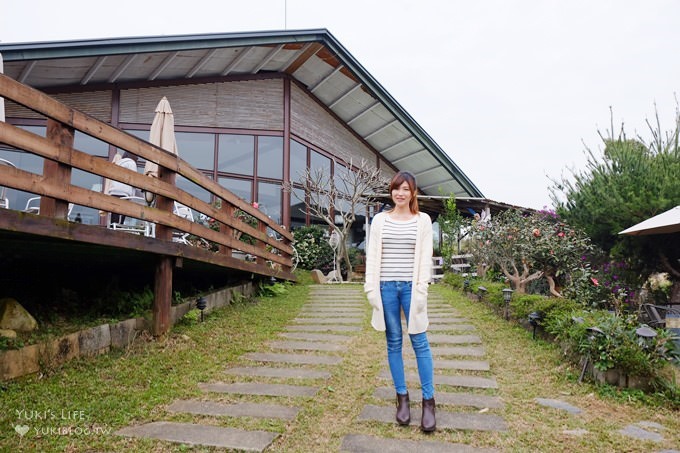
x=51 y=239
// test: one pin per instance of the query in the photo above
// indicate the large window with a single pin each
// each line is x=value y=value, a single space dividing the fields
x=320 y=163
x=197 y=149
x=269 y=200
x=236 y=154
x=240 y=187
x=270 y=157
x=298 y=161
x=298 y=209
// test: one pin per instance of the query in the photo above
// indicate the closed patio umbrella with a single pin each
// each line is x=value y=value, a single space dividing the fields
x=162 y=134
x=664 y=223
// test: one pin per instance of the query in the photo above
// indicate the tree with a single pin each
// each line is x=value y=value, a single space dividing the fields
x=453 y=227
x=337 y=198
x=526 y=247
x=632 y=180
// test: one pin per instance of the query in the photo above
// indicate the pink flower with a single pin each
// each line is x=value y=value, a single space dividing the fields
x=594 y=280
x=255 y=205
x=560 y=234
x=536 y=232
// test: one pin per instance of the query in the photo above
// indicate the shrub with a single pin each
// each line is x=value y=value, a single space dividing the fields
x=615 y=345
x=454 y=280
x=523 y=304
x=313 y=248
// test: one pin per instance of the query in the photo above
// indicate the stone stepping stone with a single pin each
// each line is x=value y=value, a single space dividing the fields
x=446 y=320
x=473 y=351
x=326 y=328
x=450 y=327
x=454 y=339
x=445 y=420
x=455 y=381
x=308 y=359
x=333 y=310
x=445 y=398
x=193 y=434
x=294 y=373
x=306 y=346
x=359 y=443
x=469 y=365
x=256 y=410
x=255 y=388
x=639 y=433
x=558 y=404
x=328 y=321
x=325 y=315
x=338 y=305
x=315 y=336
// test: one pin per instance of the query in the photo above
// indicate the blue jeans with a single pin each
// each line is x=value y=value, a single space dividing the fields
x=395 y=297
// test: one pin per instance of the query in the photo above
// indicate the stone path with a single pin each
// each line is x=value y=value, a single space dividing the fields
x=307 y=351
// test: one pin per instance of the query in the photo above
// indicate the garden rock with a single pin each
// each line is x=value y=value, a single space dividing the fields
x=15 y=317
x=318 y=276
x=8 y=333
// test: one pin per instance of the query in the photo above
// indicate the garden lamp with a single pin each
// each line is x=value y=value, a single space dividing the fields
x=481 y=290
x=201 y=304
x=466 y=285
x=645 y=333
x=535 y=319
x=507 y=296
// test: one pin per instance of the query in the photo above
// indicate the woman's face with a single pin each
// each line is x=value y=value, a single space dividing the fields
x=402 y=195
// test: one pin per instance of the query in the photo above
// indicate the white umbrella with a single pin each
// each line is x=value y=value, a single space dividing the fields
x=162 y=134
x=2 y=101
x=666 y=222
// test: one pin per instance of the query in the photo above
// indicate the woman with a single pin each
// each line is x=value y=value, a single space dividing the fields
x=398 y=271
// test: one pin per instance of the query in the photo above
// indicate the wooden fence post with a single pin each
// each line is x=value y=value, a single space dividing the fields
x=60 y=173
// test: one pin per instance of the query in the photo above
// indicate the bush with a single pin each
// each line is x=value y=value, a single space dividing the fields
x=313 y=248
x=524 y=304
x=615 y=345
x=454 y=280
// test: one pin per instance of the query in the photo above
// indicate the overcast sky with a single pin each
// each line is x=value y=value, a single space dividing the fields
x=513 y=91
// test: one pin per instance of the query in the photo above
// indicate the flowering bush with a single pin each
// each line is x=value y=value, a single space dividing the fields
x=659 y=285
x=527 y=247
x=606 y=286
x=313 y=249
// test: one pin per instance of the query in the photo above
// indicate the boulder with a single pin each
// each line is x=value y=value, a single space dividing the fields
x=15 y=317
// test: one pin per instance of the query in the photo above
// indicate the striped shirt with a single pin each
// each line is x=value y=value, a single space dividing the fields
x=398 y=249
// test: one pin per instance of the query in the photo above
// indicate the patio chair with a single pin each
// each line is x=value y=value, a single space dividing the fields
x=655 y=315
x=186 y=213
x=33 y=206
x=4 y=201
x=132 y=225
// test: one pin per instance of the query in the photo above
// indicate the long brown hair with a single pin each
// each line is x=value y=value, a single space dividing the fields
x=406 y=177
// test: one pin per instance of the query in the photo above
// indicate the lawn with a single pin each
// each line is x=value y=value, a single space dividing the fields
x=78 y=406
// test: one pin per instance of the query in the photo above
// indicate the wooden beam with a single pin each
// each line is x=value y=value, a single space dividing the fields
x=306 y=54
x=162 y=296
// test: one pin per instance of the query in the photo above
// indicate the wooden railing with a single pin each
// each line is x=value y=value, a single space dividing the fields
x=272 y=253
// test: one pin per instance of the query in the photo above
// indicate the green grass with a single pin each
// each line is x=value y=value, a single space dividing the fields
x=135 y=386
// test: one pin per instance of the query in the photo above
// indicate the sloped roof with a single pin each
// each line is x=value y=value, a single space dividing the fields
x=312 y=57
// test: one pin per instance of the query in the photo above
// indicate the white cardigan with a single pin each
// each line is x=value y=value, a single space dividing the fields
x=422 y=273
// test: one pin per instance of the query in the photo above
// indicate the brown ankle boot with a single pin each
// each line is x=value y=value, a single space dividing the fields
x=428 y=422
x=403 y=410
